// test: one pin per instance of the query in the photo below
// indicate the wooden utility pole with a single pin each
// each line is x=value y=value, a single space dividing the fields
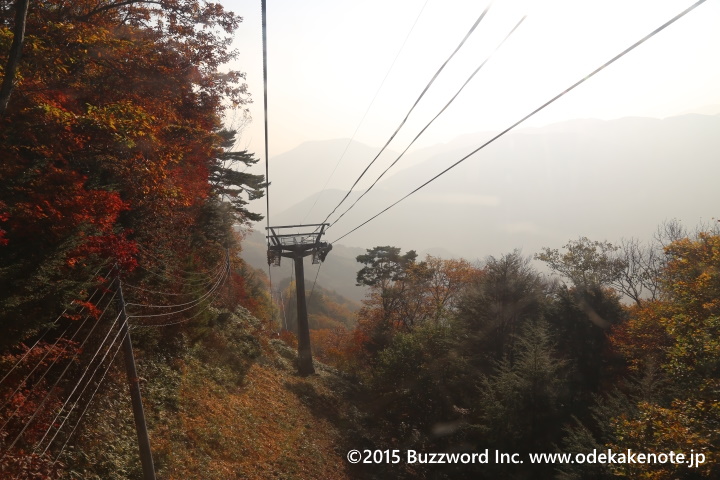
x=298 y=246
x=134 y=383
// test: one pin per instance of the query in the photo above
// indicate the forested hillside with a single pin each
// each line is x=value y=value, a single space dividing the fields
x=115 y=170
x=124 y=203
x=619 y=353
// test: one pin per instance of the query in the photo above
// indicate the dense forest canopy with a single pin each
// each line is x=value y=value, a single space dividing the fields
x=116 y=170
x=115 y=164
x=113 y=141
x=620 y=354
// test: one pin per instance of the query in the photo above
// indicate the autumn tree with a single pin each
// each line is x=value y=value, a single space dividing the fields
x=113 y=153
x=584 y=322
x=446 y=280
x=112 y=140
x=692 y=284
x=15 y=53
x=507 y=294
x=405 y=293
x=680 y=331
x=644 y=262
x=386 y=272
x=420 y=384
x=639 y=279
x=585 y=262
x=411 y=292
x=520 y=405
x=631 y=268
x=672 y=344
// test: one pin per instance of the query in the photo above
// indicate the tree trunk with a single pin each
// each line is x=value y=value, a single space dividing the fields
x=21 y=9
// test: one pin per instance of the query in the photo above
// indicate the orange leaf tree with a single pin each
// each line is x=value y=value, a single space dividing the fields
x=681 y=334
x=109 y=141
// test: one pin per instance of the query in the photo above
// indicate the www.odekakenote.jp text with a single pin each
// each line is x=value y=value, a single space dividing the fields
x=607 y=457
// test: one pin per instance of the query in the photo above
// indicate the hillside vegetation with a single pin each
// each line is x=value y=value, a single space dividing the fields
x=123 y=205
x=225 y=404
x=619 y=354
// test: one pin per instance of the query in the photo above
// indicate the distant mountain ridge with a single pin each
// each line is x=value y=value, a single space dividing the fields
x=306 y=168
x=534 y=187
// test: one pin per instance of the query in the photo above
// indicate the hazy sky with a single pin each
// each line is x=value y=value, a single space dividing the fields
x=328 y=58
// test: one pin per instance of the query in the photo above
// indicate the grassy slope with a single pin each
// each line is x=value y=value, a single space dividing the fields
x=262 y=430
x=228 y=406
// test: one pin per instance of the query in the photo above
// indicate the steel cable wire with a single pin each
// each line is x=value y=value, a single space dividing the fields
x=150 y=254
x=427 y=87
x=372 y=102
x=69 y=412
x=50 y=391
x=49 y=367
x=213 y=280
x=472 y=75
x=49 y=329
x=168 y=277
x=194 y=303
x=541 y=107
x=87 y=405
x=184 y=320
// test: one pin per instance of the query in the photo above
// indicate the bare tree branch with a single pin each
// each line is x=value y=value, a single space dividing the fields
x=111 y=6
